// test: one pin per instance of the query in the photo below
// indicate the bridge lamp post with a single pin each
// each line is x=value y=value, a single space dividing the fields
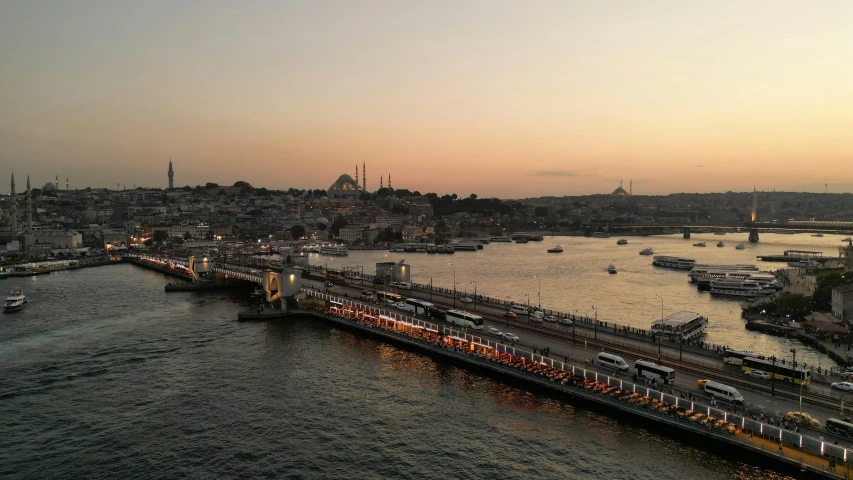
x=773 y=377
x=539 y=292
x=528 y=307
x=475 y=294
x=454 y=284
x=660 y=334
x=794 y=365
x=586 y=314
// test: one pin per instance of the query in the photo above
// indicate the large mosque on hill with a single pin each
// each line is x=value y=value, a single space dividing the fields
x=347 y=188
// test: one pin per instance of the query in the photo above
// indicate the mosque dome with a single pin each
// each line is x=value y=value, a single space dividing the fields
x=620 y=192
x=48 y=186
x=344 y=187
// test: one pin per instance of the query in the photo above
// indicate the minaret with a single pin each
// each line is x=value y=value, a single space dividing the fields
x=29 y=207
x=356 y=174
x=14 y=210
x=56 y=182
x=380 y=183
x=754 y=205
x=66 y=184
x=364 y=176
x=171 y=175
x=389 y=182
x=630 y=187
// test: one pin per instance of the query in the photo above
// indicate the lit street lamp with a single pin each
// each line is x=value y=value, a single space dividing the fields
x=454 y=284
x=475 y=294
x=660 y=333
x=539 y=294
x=587 y=316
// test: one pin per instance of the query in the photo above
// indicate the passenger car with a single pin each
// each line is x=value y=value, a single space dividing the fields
x=846 y=386
x=495 y=331
x=805 y=419
x=565 y=321
x=550 y=318
x=510 y=337
x=757 y=374
x=509 y=314
x=467 y=300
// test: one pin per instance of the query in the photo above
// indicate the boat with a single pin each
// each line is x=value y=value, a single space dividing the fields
x=431 y=248
x=622 y=241
x=700 y=244
x=521 y=240
x=556 y=249
x=686 y=325
x=737 y=288
x=848 y=239
x=700 y=271
x=804 y=264
x=674 y=262
x=466 y=246
x=817 y=235
x=333 y=249
x=501 y=239
x=647 y=251
x=740 y=246
x=15 y=301
x=721 y=244
x=767 y=281
x=611 y=269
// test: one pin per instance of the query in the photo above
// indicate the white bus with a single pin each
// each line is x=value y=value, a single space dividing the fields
x=735 y=357
x=418 y=307
x=655 y=372
x=388 y=297
x=465 y=319
x=520 y=309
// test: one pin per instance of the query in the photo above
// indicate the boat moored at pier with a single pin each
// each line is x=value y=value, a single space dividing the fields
x=339 y=250
x=737 y=288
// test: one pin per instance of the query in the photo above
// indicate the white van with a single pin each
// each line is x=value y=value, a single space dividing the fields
x=723 y=392
x=613 y=361
x=520 y=309
x=404 y=285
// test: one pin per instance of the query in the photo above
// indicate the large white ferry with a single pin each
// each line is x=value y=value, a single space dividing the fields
x=686 y=325
x=700 y=270
x=15 y=301
x=737 y=288
x=674 y=262
x=767 y=281
x=333 y=249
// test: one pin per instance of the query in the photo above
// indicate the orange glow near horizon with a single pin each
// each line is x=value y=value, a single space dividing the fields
x=502 y=98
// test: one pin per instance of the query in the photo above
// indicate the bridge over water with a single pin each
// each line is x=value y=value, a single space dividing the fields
x=753 y=227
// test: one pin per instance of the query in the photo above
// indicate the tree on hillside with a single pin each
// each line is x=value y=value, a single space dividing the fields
x=297 y=232
x=188 y=236
x=337 y=224
x=541 y=211
x=241 y=184
x=160 y=236
x=822 y=296
x=211 y=185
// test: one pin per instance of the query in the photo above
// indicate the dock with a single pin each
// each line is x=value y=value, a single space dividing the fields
x=792 y=256
x=794 y=453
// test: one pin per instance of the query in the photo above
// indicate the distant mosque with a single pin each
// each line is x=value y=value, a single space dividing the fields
x=347 y=188
x=620 y=192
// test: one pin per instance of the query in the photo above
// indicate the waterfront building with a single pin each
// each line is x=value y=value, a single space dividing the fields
x=352 y=234
x=842 y=302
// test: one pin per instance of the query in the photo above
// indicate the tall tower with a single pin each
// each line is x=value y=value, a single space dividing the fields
x=630 y=187
x=380 y=183
x=14 y=210
x=66 y=184
x=389 y=182
x=364 y=176
x=356 y=174
x=29 y=207
x=171 y=175
x=754 y=205
x=56 y=182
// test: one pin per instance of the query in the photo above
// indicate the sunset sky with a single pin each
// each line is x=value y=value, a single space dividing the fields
x=499 y=98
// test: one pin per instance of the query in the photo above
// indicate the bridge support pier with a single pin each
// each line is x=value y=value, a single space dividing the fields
x=686 y=232
x=753 y=235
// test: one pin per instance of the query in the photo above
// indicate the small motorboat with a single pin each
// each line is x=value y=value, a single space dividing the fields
x=848 y=239
x=721 y=244
x=611 y=269
x=700 y=244
x=622 y=241
x=647 y=251
x=556 y=249
x=740 y=246
x=15 y=301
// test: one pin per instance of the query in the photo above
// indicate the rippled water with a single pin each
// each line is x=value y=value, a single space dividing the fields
x=103 y=375
x=576 y=279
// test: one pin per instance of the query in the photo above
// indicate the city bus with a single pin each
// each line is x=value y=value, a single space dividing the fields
x=388 y=297
x=655 y=372
x=465 y=319
x=418 y=307
x=735 y=357
x=782 y=372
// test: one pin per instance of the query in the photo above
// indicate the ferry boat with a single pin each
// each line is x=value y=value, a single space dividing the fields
x=647 y=251
x=699 y=271
x=556 y=249
x=721 y=244
x=740 y=246
x=683 y=325
x=431 y=248
x=445 y=249
x=767 y=281
x=600 y=235
x=15 y=301
x=501 y=239
x=611 y=269
x=521 y=240
x=622 y=241
x=736 y=288
x=733 y=266
x=333 y=249
x=673 y=262
x=700 y=244
x=465 y=246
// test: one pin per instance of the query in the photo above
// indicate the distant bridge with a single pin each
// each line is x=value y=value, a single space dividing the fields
x=752 y=227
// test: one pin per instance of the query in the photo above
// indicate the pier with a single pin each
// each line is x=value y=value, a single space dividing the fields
x=794 y=452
